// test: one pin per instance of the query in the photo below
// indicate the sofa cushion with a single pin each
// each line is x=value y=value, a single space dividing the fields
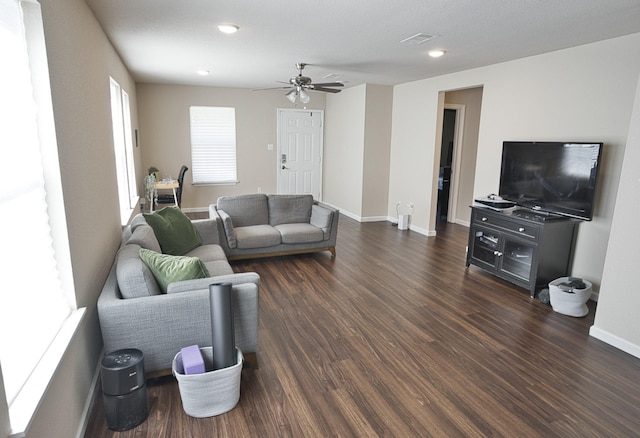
x=168 y=269
x=289 y=209
x=135 y=279
x=257 y=236
x=208 y=253
x=218 y=267
x=207 y=229
x=245 y=210
x=144 y=237
x=299 y=233
x=174 y=230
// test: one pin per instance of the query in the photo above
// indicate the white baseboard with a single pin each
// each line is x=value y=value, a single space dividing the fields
x=615 y=341
x=374 y=219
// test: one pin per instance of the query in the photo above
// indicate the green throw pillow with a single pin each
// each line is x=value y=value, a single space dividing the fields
x=167 y=268
x=174 y=231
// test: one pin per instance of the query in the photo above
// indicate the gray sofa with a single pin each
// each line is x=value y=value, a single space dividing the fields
x=135 y=313
x=260 y=225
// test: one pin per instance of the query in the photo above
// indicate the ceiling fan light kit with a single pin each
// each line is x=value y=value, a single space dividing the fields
x=300 y=86
x=304 y=96
x=292 y=95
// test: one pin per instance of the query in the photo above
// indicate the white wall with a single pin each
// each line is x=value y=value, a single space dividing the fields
x=357 y=148
x=344 y=150
x=576 y=94
x=377 y=150
x=616 y=319
x=165 y=138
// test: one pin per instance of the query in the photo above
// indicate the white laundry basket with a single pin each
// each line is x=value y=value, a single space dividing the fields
x=210 y=393
x=567 y=300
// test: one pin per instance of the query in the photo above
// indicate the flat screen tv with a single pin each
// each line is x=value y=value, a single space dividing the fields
x=551 y=177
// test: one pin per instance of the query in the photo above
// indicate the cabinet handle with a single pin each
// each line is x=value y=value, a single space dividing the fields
x=521 y=229
x=484 y=219
x=497 y=253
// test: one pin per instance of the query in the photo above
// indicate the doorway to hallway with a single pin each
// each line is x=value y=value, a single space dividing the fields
x=446 y=159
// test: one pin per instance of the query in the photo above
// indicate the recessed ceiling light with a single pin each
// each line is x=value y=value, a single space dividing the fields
x=228 y=28
x=436 y=53
x=203 y=72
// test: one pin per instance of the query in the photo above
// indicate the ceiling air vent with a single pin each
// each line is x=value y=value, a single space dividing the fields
x=418 y=38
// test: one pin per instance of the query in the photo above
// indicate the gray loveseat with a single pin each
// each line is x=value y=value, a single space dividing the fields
x=259 y=225
x=135 y=313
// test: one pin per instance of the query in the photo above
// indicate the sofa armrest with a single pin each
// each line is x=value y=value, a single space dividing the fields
x=208 y=230
x=203 y=283
x=227 y=226
x=325 y=218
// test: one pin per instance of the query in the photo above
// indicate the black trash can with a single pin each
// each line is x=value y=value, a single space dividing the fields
x=124 y=389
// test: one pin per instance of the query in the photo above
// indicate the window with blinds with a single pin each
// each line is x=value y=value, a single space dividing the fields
x=213 y=145
x=123 y=148
x=38 y=312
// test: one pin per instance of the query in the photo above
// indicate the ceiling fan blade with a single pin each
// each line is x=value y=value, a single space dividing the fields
x=329 y=84
x=273 y=88
x=327 y=90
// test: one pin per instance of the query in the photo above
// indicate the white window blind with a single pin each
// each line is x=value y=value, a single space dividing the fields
x=123 y=148
x=36 y=303
x=213 y=145
x=128 y=145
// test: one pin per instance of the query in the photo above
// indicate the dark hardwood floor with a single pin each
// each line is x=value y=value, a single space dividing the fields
x=394 y=337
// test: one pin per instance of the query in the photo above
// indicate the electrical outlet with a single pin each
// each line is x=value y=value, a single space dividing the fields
x=259 y=189
x=410 y=205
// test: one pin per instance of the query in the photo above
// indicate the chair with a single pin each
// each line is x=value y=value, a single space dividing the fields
x=168 y=198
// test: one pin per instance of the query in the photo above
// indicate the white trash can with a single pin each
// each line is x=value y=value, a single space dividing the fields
x=568 y=299
x=210 y=393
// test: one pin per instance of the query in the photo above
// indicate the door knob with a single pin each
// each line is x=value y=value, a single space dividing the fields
x=284 y=167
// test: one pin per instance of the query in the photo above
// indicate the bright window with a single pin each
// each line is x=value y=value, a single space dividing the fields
x=213 y=145
x=123 y=148
x=37 y=303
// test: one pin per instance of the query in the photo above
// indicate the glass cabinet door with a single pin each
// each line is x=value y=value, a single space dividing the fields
x=485 y=246
x=517 y=259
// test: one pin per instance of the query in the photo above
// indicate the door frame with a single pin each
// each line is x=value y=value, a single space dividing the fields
x=279 y=129
x=456 y=160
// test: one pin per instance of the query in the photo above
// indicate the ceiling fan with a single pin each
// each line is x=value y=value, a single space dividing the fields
x=300 y=84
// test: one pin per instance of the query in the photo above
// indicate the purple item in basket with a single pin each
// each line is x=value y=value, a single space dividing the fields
x=192 y=360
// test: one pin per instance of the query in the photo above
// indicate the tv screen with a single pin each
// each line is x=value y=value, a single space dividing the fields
x=551 y=177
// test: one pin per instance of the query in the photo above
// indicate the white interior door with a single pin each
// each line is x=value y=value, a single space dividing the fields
x=300 y=152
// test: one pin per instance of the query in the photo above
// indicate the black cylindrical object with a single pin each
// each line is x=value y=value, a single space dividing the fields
x=224 y=345
x=124 y=390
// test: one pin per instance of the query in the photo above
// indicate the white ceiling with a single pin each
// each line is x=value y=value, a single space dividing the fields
x=166 y=41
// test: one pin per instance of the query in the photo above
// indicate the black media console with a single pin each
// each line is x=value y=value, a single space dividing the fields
x=524 y=247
